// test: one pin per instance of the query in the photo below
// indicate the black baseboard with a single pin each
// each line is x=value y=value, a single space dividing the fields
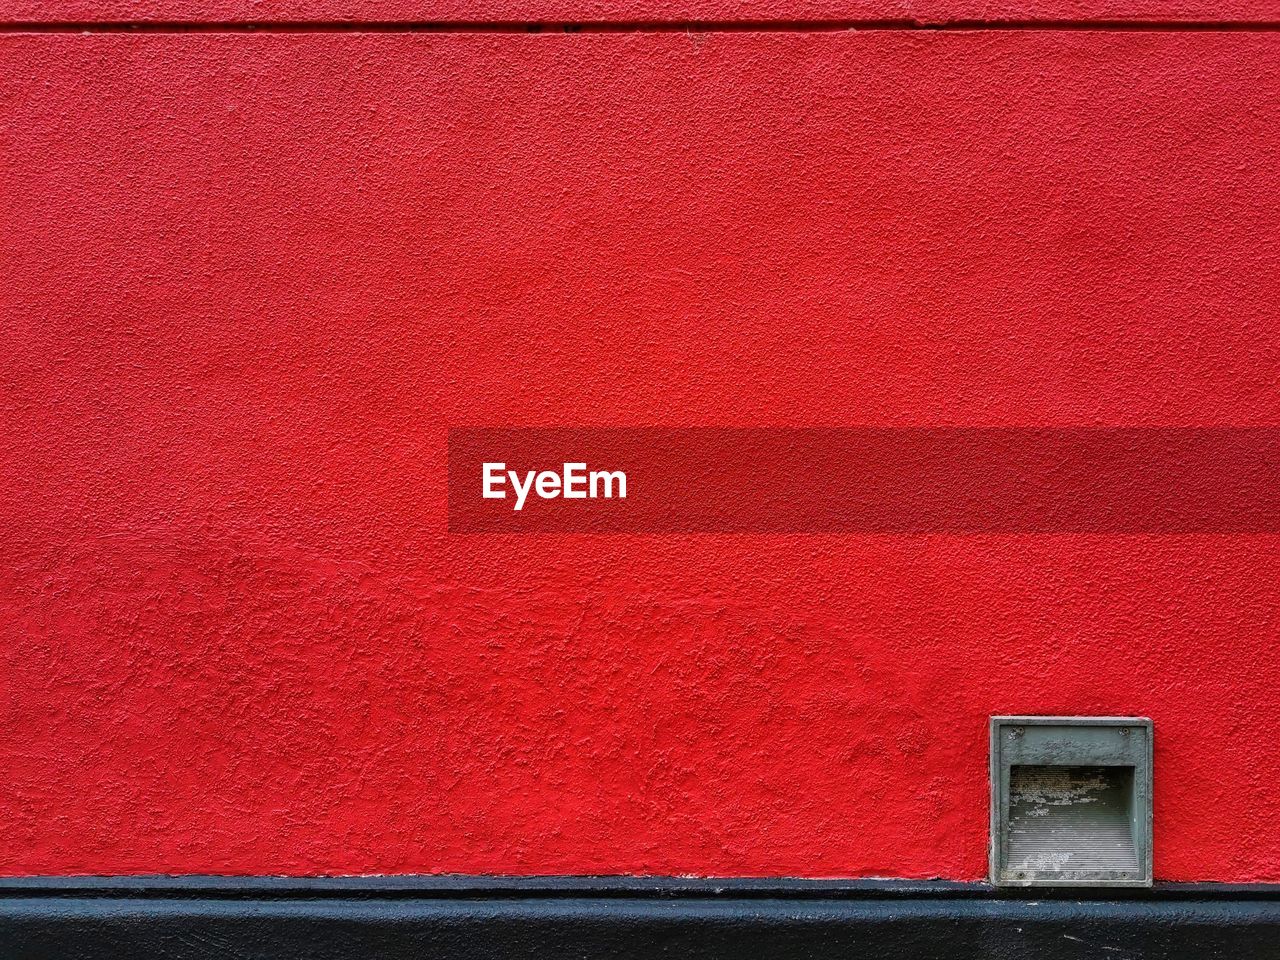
x=263 y=918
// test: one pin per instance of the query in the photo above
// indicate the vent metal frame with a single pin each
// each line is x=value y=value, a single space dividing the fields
x=1071 y=742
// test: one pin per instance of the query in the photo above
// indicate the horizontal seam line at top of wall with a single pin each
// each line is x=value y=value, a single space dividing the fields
x=682 y=26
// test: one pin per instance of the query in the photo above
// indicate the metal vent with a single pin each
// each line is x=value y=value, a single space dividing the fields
x=1071 y=801
x=1071 y=818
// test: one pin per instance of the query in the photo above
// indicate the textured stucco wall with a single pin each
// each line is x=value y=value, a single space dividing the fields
x=769 y=13
x=249 y=281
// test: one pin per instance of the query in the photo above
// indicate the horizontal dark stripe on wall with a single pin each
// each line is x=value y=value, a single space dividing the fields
x=861 y=480
x=490 y=917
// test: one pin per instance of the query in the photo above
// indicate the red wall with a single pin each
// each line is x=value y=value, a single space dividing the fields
x=250 y=280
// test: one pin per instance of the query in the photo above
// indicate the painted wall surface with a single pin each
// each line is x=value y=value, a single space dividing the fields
x=250 y=281
x=670 y=12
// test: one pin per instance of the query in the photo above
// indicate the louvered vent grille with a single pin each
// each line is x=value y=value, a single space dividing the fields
x=1073 y=819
